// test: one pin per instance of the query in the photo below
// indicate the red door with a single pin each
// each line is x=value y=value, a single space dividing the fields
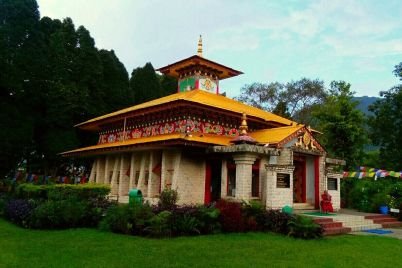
x=299 y=180
x=207 y=196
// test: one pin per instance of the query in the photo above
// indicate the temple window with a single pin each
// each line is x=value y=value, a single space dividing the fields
x=332 y=184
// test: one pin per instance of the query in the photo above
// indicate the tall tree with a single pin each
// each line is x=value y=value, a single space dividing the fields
x=115 y=82
x=295 y=99
x=386 y=124
x=145 y=84
x=51 y=77
x=168 y=85
x=342 y=124
x=19 y=19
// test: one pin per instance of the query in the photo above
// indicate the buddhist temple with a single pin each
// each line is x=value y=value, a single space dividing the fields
x=207 y=147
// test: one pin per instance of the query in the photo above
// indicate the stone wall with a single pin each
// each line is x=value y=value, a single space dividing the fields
x=335 y=194
x=277 y=198
x=191 y=180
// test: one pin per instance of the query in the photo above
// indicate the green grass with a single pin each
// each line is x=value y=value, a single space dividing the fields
x=91 y=248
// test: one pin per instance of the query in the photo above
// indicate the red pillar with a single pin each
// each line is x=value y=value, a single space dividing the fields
x=207 y=195
x=317 y=181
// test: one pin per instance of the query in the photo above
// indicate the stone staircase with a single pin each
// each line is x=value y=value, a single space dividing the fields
x=385 y=221
x=346 y=223
x=332 y=227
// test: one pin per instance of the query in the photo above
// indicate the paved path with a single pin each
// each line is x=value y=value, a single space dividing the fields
x=396 y=233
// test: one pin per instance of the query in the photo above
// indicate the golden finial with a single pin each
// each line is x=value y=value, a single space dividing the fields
x=199 y=50
x=243 y=126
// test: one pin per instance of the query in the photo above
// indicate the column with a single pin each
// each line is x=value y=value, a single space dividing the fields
x=244 y=163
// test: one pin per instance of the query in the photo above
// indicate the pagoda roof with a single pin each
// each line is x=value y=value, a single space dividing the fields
x=275 y=135
x=201 y=97
x=175 y=69
x=201 y=140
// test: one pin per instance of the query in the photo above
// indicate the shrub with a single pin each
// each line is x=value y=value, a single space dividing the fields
x=159 y=224
x=231 y=218
x=3 y=201
x=78 y=191
x=208 y=218
x=56 y=214
x=127 y=219
x=62 y=191
x=184 y=220
x=19 y=211
x=367 y=194
x=118 y=220
x=253 y=213
x=304 y=227
x=276 y=221
x=168 y=199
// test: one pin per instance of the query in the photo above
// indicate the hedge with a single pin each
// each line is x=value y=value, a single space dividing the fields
x=62 y=191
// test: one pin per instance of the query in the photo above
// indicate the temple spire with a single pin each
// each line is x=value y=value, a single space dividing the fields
x=243 y=126
x=199 y=49
x=243 y=135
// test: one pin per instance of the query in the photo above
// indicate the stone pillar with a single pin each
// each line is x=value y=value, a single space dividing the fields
x=244 y=163
x=93 y=171
x=224 y=178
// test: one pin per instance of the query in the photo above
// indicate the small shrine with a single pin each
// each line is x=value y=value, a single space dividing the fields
x=207 y=147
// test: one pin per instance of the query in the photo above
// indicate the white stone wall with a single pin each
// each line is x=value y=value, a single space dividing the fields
x=336 y=195
x=276 y=198
x=191 y=180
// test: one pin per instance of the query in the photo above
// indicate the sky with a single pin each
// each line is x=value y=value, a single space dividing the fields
x=359 y=42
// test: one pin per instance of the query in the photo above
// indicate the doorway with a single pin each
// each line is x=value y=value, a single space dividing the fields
x=213 y=180
x=299 y=180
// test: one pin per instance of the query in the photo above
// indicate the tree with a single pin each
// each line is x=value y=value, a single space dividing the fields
x=51 y=77
x=342 y=124
x=115 y=83
x=168 y=85
x=294 y=100
x=386 y=125
x=398 y=71
x=145 y=84
x=19 y=19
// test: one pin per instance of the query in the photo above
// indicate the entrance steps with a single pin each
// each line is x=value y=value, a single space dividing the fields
x=385 y=220
x=356 y=222
x=331 y=227
x=346 y=223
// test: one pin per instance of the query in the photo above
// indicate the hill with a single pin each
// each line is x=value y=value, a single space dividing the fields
x=364 y=103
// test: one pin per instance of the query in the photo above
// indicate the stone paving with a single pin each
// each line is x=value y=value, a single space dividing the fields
x=396 y=232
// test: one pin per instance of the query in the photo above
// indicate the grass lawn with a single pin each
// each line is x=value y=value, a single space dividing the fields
x=91 y=248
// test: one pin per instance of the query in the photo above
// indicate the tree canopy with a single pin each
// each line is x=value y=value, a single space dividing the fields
x=343 y=125
x=294 y=99
x=386 y=124
x=52 y=76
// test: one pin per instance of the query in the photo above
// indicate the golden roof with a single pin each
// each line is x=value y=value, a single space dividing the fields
x=266 y=136
x=201 y=97
x=274 y=135
x=196 y=137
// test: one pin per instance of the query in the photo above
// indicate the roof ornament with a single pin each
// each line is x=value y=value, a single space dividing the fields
x=243 y=136
x=243 y=126
x=199 y=49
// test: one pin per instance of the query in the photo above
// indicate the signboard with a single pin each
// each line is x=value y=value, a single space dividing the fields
x=282 y=180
